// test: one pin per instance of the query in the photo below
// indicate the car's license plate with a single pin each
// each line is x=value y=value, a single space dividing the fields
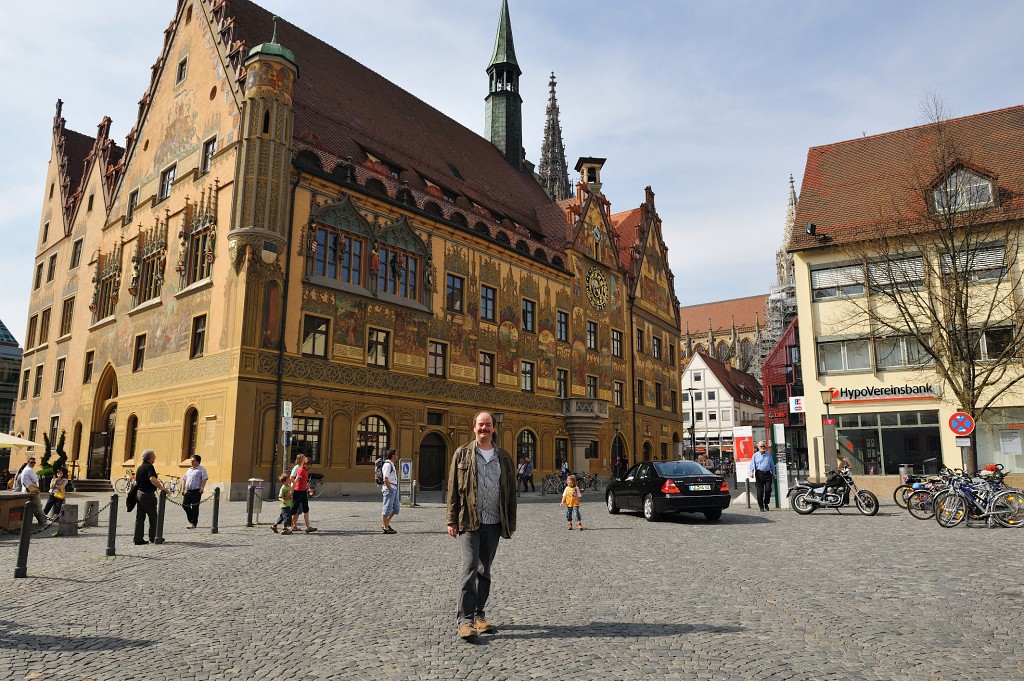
x=700 y=488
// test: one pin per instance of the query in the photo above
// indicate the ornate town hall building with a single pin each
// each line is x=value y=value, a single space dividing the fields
x=286 y=228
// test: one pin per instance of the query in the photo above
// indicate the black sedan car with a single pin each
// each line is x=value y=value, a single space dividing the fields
x=656 y=487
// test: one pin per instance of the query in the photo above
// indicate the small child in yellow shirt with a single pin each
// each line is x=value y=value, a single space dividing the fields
x=571 y=501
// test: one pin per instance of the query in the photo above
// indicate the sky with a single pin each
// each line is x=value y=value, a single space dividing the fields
x=712 y=104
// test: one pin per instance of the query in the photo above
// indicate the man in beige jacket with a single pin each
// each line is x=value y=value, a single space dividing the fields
x=481 y=509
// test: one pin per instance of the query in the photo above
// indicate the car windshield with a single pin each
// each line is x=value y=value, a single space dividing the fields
x=678 y=469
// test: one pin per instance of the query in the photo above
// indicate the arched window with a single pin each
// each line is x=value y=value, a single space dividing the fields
x=522 y=246
x=266 y=122
x=460 y=219
x=131 y=436
x=540 y=254
x=433 y=209
x=557 y=262
x=722 y=351
x=618 y=451
x=372 y=439
x=647 y=451
x=482 y=229
x=502 y=237
x=526 y=445
x=190 y=436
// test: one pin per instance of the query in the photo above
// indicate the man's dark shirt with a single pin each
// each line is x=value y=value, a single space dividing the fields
x=142 y=478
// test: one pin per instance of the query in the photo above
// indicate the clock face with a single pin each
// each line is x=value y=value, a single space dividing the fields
x=597 y=288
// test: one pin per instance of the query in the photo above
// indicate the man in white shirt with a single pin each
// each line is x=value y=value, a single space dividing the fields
x=194 y=482
x=390 y=492
x=30 y=483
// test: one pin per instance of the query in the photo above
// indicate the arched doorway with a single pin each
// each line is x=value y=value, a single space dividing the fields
x=647 y=451
x=431 y=464
x=619 y=460
x=104 y=421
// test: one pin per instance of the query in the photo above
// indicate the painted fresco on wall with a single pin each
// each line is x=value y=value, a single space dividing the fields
x=579 y=363
x=509 y=303
x=410 y=334
x=463 y=340
x=604 y=369
x=546 y=354
x=174 y=329
x=348 y=330
x=508 y=348
x=178 y=131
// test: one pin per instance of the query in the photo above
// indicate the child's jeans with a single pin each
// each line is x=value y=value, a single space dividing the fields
x=569 y=511
x=286 y=516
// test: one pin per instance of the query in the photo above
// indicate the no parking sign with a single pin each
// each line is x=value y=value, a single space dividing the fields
x=961 y=423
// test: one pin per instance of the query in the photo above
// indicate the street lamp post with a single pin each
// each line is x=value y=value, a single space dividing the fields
x=693 y=425
x=828 y=433
x=616 y=426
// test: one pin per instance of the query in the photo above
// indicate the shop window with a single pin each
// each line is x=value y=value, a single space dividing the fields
x=373 y=438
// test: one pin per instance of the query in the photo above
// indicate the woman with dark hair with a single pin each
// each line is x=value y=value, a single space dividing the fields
x=58 y=488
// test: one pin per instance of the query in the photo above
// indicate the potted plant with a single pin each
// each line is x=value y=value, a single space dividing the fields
x=47 y=468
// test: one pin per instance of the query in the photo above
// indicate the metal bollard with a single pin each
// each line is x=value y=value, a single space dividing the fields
x=160 y=518
x=216 y=509
x=112 y=530
x=21 y=567
x=248 y=506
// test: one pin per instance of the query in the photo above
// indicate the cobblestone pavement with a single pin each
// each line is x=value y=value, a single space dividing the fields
x=754 y=596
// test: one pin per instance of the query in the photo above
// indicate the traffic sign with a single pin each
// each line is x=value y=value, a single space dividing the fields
x=961 y=423
x=286 y=424
x=286 y=409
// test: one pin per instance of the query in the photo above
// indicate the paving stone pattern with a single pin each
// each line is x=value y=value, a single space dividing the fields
x=754 y=596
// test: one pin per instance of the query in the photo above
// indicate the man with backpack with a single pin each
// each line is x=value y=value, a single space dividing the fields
x=387 y=476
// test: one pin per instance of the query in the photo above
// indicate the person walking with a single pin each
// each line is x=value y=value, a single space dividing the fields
x=57 y=492
x=481 y=509
x=147 y=484
x=763 y=467
x=300 y=493
x=29 y=482
x=571 y=501
x=389 y=490
x=194 y=482
x=285 y=496
x=526 y=474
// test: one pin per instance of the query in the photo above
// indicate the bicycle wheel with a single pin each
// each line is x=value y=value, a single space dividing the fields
x=316 y=488
x=121 y=485
x=596 y=484
x=950 y=510
x=920 y=504
x=900 y=494
x=1008 y=508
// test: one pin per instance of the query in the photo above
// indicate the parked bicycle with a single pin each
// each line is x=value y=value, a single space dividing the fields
x=979 y=498
x=552 y=483
x=589 y=482
x=316 y=484
x=174 y=487
x=125 y=482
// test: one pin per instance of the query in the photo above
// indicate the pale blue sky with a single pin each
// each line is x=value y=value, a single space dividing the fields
x=712 y=104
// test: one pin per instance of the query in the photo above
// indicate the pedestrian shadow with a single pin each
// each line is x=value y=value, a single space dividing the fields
x=13 y=637
x=612 y=630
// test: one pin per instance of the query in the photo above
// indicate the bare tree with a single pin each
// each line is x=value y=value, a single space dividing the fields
x=943 y=289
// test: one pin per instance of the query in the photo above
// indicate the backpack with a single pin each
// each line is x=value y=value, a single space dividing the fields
x=378 y=474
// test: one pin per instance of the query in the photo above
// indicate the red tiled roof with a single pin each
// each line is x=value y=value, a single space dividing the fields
x=345 y=108
x=851 y=187
x=741 y=386
x=745 y=311
x=626 y=225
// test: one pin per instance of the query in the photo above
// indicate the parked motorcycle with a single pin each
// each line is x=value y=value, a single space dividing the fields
x=806 y=497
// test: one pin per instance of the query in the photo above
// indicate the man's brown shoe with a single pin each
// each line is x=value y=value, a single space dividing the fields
x=483 y=626
x=467 y=631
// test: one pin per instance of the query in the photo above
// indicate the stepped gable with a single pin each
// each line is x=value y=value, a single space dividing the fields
x=343 y=109
x=73 y=150
x=850 y=187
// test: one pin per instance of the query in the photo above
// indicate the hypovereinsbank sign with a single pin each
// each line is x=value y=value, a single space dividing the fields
x=907 y=391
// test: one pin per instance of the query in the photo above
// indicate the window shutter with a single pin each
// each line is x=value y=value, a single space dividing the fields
x=896 y=271
x=973 y=261
x=837 y=276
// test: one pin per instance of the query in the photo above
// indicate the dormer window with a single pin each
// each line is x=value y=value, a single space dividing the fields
x=963 y=190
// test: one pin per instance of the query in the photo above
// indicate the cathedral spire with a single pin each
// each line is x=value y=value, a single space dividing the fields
x=554 y=173
x=783 y=260
x=503 y=109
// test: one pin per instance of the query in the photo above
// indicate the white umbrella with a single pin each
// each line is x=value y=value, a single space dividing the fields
x=7 y=440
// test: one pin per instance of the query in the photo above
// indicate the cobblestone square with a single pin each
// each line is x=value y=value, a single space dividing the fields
x=754 y=596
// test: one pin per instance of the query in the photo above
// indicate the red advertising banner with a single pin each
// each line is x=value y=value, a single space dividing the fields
x=743 y=439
